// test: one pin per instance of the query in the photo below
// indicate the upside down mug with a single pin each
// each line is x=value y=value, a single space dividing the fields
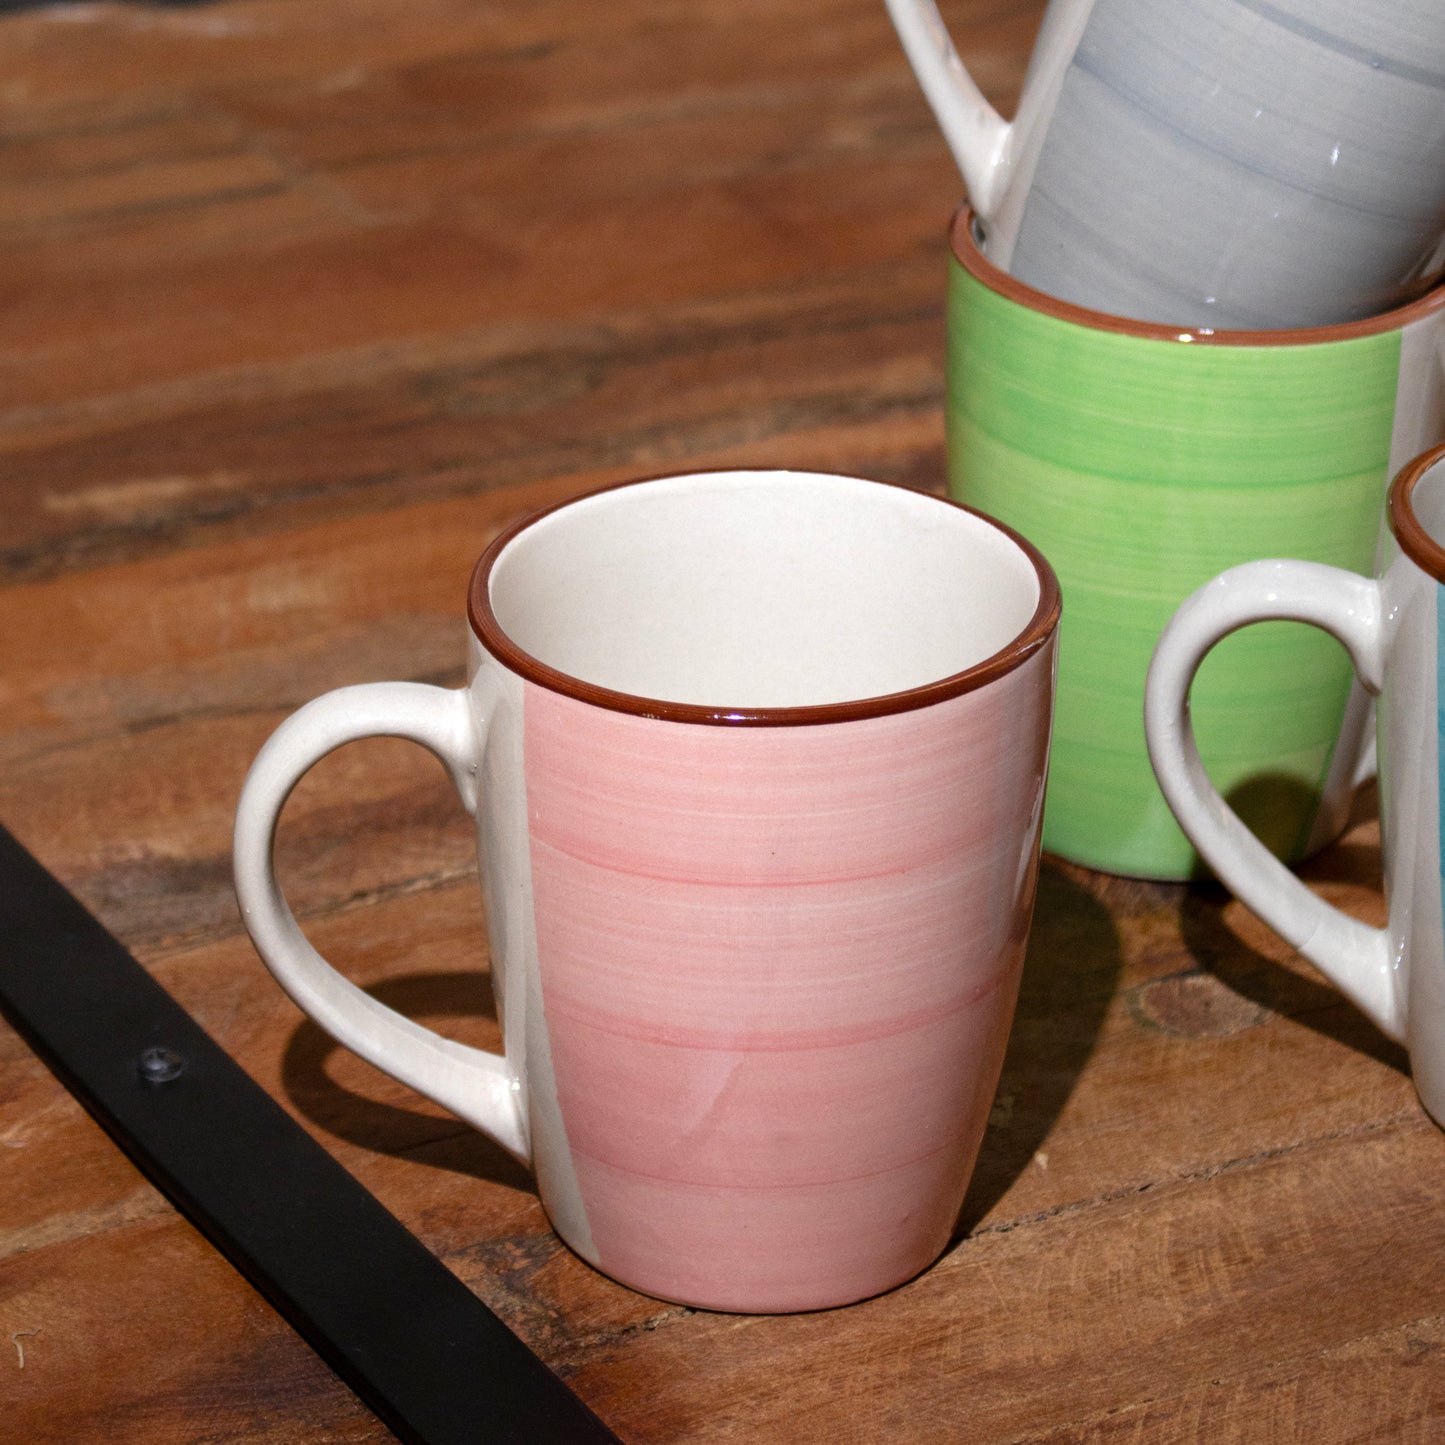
x=1209 y=162
x=1142 y=460
x=1394 y=629
x=757 y=764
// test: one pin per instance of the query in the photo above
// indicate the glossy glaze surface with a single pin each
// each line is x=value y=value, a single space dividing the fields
x=1214 y=163
x=1391 y=627
x=778 y=968
x=1143 y=462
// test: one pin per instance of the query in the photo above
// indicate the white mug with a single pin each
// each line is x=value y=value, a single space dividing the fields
x=1392 y=628
x=757 y=762
x=1209 y=163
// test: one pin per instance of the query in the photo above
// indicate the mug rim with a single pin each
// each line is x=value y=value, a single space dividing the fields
x=969 y=255
x=1023 y=645
x=1416 y=543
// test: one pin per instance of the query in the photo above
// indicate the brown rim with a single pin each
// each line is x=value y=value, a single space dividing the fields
x=966 y=252
x=1416 y=543
x=490 y=634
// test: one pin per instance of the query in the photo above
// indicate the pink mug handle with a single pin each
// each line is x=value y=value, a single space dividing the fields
x=479 y=1087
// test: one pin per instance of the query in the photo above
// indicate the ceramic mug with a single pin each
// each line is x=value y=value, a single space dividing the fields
x=1392 y=627
x=757 y=761
x=1143 y=460
x=1208 y=162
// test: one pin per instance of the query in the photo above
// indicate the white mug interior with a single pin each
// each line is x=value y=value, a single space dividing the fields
x=762 y=589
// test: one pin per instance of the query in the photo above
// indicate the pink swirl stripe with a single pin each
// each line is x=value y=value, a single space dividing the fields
x=778 y=968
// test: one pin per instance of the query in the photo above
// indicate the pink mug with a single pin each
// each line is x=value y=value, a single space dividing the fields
x=757 y=762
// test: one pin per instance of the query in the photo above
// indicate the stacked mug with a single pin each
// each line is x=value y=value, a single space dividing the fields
x=1195 y=317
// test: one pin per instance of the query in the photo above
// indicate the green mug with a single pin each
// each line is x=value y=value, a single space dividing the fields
x=1143 y=460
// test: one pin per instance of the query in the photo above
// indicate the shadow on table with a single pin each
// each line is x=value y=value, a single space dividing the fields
x=443 y=1142
x=1304 y=997
x=1070 y=975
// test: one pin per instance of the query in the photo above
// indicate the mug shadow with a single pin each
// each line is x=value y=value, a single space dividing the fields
x=1277 y=808
x=1070 y=975
x=442 y=1142
x=1304 y=998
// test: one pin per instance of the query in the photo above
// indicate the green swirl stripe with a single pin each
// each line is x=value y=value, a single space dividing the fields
x=1142 y=468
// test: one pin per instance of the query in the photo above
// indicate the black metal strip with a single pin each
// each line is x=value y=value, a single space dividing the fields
x=423 y=1352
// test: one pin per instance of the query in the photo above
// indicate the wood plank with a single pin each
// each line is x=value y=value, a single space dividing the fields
x=85 y=54
x=171 y=1345
x=468 y=237
x=407 y=949
x=70 y=334
x=1388 y=1386
x=1048 y=1327
x=826 y=376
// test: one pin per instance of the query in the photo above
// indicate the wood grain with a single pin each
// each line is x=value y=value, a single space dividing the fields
x=300 y=305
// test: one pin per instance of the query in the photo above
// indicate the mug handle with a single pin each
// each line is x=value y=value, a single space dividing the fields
x=475 y=1085
x=976 y=133
x=1352 y=955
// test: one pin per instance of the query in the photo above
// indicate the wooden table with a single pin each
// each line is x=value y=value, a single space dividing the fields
x=302 y=301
